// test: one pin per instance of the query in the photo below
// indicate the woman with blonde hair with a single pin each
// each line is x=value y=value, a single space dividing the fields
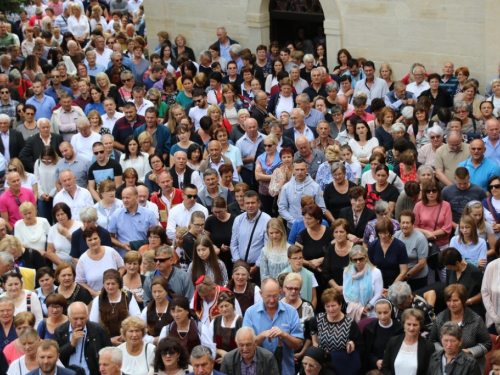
x=385 y=72
x=215 y=114
x=324 y=174
x=32 y=231
x=138 y=355
x=180 y=47
x=175 y=114
x=154 y=96
x=475 y=210
x=145 y=142
x=273 y=258
x=97 y=18
x=96 y=123
x=31 y=68
x=78 y=25
x=108 y=89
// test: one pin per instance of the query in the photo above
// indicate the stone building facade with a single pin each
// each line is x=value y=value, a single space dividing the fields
x=396 y=31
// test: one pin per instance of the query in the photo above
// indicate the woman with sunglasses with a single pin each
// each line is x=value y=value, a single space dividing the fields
x=196 y=229
x=20 y=115
x=171 y=358
x=28 y=128
x=433 y=217
x=491 y=214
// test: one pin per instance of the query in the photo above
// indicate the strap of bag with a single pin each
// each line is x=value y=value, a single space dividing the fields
x=437 y=217
x=492 y=210
x=251 y=237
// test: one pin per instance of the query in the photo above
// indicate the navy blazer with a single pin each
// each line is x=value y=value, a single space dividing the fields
x=60 y=371
x=163 y=137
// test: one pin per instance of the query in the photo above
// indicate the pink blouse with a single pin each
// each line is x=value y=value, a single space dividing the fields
x=425 y=218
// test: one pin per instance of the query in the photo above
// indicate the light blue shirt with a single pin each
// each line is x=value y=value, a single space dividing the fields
x=132 y=227
x=249 y=148
x=313 y=117
x=78 y=357
x=470 y=253
x=354 y=80
x=98 y=69
x=484 y=171
x=43 y=108
x=224 y=51
x=286 y=319
x=242 y=229
x=492 y=152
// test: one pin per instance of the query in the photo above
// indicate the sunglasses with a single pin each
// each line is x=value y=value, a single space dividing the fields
x=431 y=191
x=496 y=186
x=358 y=260
x=55 y=76
x=197 y=101
x=266 y=146
x=119 y=60
x=4 y=92
x=191 y=196
x=98 y=152
x=18 y=202
x=435 y=136
x=162 y=260
x=126 y=80
x=169 y=352
x=12 y=170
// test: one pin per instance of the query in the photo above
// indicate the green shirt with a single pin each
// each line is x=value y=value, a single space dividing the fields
x=7 y=40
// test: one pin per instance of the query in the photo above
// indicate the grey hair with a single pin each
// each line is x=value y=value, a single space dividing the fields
x=246 y=330
x=3 y=57
x=332 y=86
x=418 y=65
x=316 y=69
x=236 y=49
x=4 y=117
x=336 y=108
x=200 y=351
x=308 y=57
x=88 y=214
x=436 y=129
x=360 y=99
x=424 y=167
x=40 y=120
x=207 y=54
x=460 y=104
x=474 y=81
x=358 y=249
x=304 y=97
x=6 y=258
x=399 y=292
x=126 y=74
x=72 y=43
x=381 y=206
x=81 y=122
x=107 y=136
x=451 y=329
x=90 y=52
x=398 y=127
x=209 y=172
x=300 y=110
x=61 y=63
x=165 y=249
x=14 y=75
x=338 y=165
x=8 y=300
x=116 y=354
x=118 y=46
x=84 y=305
x=116 y=54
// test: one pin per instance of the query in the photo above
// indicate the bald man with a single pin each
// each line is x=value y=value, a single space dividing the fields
x=182 y=174
x=481 y=169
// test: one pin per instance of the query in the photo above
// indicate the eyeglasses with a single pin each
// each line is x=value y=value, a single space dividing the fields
x=118 y=60
x=461 y=112
x=199 y=225
x=268 y=146
x=170 y=352
x=55 y=307
x=337 y=114
x=431 y=191
x=162 y=260
x=197 y=101
x=496 y=186
x=191 y=196
x=12 y=170
x=217 y=213
x=46 y=160
x=307 y=364
x=435 y=136
x=20 y=110
x=293 y=289
x=126 y=80
x=55 y=76
x=98 y=152
x=358 y=260
x=295 y=259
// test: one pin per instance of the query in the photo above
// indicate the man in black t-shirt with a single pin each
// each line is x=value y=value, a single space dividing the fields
x=102 y=169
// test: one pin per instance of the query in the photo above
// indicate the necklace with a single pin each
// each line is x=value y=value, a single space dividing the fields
x=343 y=248
x=185 y=334
x=113 y=305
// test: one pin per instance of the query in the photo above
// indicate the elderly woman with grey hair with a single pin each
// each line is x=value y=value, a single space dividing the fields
x=382 y=210
x=336 y=192
x=332 y=89
x=457 y=360
x=470 y=127
x=403 y=298
x=427 y=153
x=89 y=217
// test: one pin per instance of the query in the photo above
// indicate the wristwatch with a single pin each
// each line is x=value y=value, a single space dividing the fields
x=408 y=276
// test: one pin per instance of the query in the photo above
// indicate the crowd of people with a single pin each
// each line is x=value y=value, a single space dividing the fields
x=239 y=211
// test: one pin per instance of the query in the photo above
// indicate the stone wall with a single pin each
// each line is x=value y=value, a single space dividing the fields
x=397 y=31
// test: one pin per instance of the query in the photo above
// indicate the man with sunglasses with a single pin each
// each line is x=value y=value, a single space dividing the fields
x=13 y=197
x=117 y=61
x=180 y=215
x=7 y=105
x=481 y=169
x=56 y=85
x=178 y=280
x=104 y=168
x=200 y=107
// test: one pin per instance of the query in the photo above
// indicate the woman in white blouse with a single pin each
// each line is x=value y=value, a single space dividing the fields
x=363 y=142
x=78 y=25
x=32 y=231
x=45 y=174
x=59 y=240
x=134 y=158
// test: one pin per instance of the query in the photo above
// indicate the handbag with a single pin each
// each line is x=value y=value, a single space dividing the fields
x=433 y=253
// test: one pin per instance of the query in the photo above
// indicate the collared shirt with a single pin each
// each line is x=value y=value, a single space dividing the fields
x=79 y=167
x=10 y=203
x=492 y=152
x=313 y=117
x=132 y=227
x=95 y=70
x=9 y=109
x=109 y=122
x=248 y=147
x=317 y=145
x=221 y=162
x=43 y=108
x=104 y=58
x=251 y=368
x=286 y=318
x=7 y=40
x=308 y=133
x=378 y=90
x=67 y=122
x=179 y=216
x=242 y=229
x=141 y=110
x=134 y=5
x=51 y=91
x=417 y=89
x=81 y=199
x=318 y=158
x=482 y=173
x=78 y=357
x=354 y=80
x=6 y=140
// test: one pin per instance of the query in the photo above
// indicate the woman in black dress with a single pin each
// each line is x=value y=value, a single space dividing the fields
x=219 y=227
x=382 y=189
x=337 y=255
x=314 y=240
x=337 y=192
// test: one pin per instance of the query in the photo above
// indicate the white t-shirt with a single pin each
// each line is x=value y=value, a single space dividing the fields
x=90 y=271
x=356 y=169
x=138 y=364
x=83 y=146
x=61 y=244
x=33 y=236
x=284 y=104
x=196 y=113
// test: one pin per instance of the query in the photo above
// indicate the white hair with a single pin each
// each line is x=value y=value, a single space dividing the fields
x=4 y=117
x=81 y=122
x=116 y=354
x=308 y=57
x=236 y=49
x=41 y=120
x=245 y=330
x=300 y=110
x=84 y=305
x=436 y=129
x=72 y=43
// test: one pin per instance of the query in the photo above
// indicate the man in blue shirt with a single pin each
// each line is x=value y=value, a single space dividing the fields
x=272 y=320
x=43 y=103
x=56 y=85
x=481 y=169
x=491 y=141
x=354 y=71
x=448 y=80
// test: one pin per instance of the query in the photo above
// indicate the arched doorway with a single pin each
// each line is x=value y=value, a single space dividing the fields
x=297 y=21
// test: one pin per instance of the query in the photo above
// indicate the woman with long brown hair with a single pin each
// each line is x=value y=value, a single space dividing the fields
x=157 y=313
x=206 y=262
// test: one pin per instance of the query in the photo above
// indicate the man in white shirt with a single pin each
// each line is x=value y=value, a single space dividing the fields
x=182 y=174
x=200 y=107
x=141 y=104
x=374 y=87
x=180 y=215
x=143 y=196
x=103 y=54
x=83 y=141
x=73 y=195
x=111 y=116
x=420 y=83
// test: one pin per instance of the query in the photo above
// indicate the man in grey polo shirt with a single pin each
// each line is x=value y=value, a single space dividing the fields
x=77 y=164
x=212 y=190
x=313 y=158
